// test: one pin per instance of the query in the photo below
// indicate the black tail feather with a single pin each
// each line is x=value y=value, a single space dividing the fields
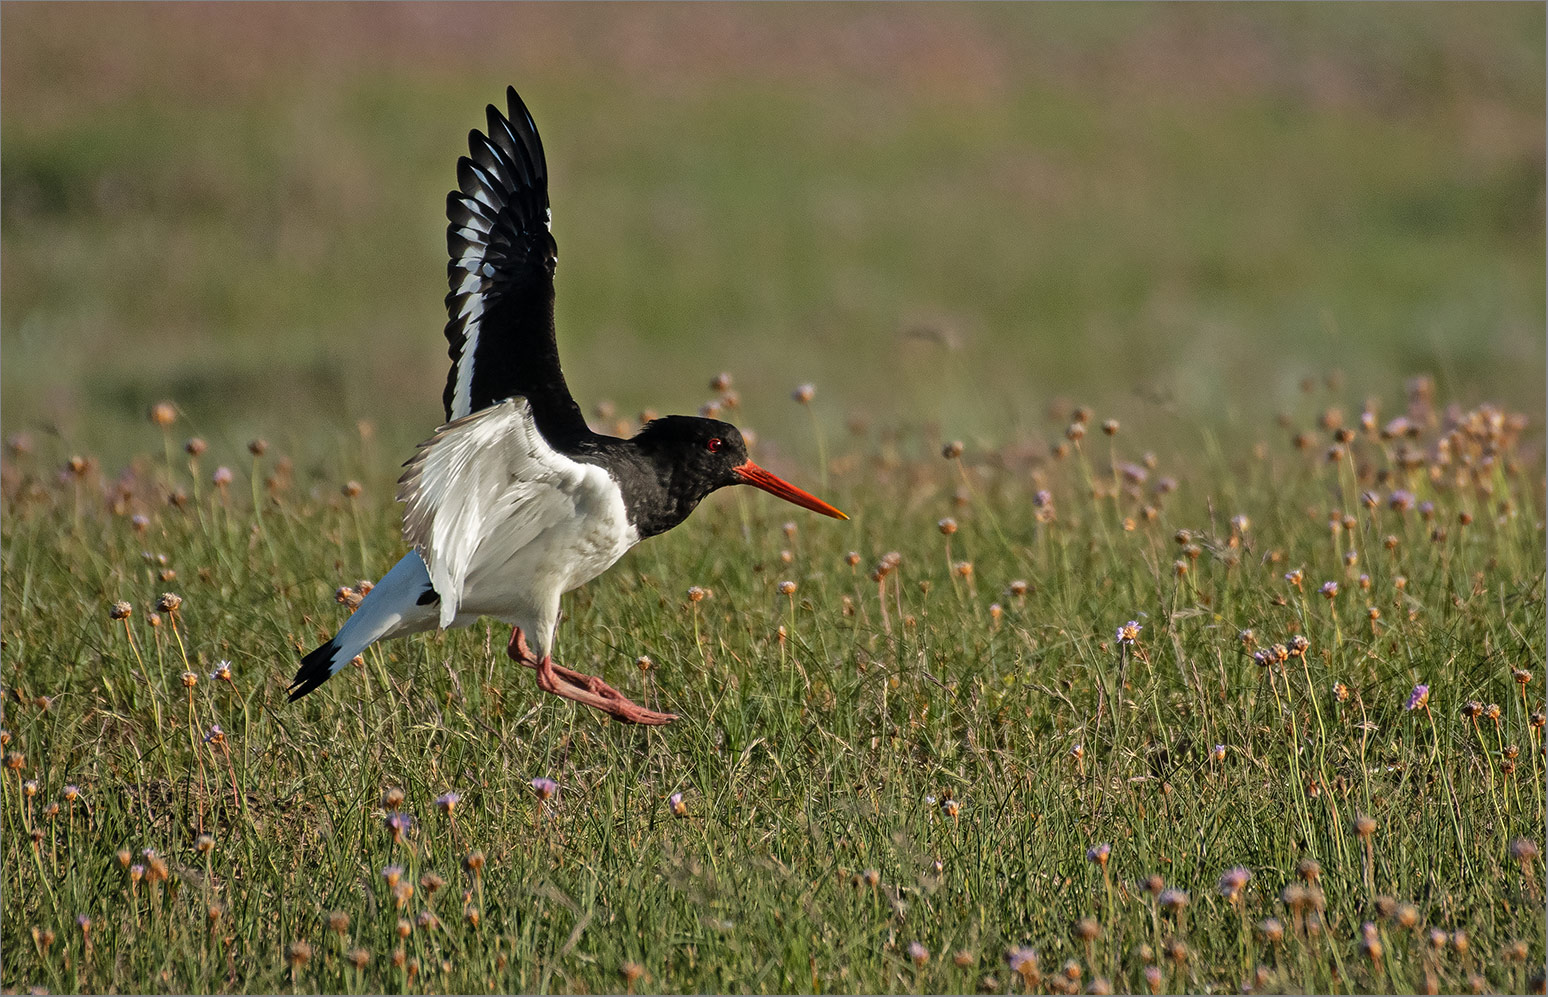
x=316 y=668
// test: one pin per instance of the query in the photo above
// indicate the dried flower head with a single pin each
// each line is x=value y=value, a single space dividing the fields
x=787 y=588
x=298 y=953
x=1173 y=899
x=1232 y=881
x=1370 y=942
x=120 y=610
x=1023 y=960
x=204 y=844
x=190 y=680
x=918 y=954
x=398 y=824
x=804 y=393
x=544 y=787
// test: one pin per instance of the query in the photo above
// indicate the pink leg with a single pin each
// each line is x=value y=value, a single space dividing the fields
x=585 y=689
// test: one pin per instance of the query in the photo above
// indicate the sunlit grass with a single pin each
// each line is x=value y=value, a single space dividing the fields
x=922 y=750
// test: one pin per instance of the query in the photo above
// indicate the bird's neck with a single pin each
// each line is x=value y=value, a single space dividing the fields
x=656 y=490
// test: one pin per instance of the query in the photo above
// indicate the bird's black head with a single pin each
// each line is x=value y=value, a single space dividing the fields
x=702 y=453
x=694 y=456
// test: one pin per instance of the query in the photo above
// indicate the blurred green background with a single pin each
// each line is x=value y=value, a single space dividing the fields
x=941 y=215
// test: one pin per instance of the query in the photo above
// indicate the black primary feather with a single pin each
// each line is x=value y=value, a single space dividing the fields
x=501 y=306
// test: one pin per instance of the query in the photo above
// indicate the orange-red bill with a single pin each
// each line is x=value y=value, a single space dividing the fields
x=752 y=474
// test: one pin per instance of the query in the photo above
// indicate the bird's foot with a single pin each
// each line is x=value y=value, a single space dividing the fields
x=592 y=691
x=588 y=690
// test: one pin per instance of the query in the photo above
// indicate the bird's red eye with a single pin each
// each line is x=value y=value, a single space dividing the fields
x=713 y=446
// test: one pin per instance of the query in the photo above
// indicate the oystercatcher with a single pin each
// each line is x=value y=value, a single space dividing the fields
x=515 y=501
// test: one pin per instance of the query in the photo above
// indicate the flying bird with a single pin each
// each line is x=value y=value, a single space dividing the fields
x=515 y=501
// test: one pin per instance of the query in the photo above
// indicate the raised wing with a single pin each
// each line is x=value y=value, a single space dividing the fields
x=501 y=304
x=484 y=486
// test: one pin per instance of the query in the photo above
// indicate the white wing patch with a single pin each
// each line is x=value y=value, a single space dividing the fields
x=484 y=487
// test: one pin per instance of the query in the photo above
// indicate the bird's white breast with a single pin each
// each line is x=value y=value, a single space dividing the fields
x=588 y=538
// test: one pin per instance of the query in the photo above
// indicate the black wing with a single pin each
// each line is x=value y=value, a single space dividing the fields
x=501 y=273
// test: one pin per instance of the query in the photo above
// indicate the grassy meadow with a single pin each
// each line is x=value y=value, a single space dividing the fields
x=1223 y=322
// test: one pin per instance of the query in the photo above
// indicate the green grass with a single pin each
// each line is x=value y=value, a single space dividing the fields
x=822 y=733
x=1214 y=224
